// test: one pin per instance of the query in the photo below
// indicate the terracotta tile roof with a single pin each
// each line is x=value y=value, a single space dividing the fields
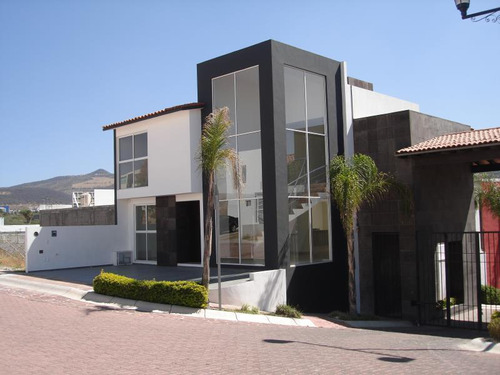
x=161 y=112
x=468 y=139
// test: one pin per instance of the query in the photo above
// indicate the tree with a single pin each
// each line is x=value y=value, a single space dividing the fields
x=487 y=192
x=27 y=214
x=354 y=182
x=215 y=154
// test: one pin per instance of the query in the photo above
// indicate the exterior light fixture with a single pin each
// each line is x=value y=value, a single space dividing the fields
x=489 y=15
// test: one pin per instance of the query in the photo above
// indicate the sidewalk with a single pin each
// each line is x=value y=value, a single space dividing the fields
x=86 y=294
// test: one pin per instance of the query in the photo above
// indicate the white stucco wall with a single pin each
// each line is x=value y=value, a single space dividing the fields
x=265 y=290
x=367 y=103
x=173 y=141
x=104 y=197
x=78 y=246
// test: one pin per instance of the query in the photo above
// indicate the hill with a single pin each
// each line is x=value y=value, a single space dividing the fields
x=55 y=190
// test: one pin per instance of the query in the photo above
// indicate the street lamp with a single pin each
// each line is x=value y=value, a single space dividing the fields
x=463 y=5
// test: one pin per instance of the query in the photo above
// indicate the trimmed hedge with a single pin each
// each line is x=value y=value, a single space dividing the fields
x=490 y=295
x=182 y=293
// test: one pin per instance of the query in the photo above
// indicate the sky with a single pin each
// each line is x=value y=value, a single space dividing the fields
x=69 y=67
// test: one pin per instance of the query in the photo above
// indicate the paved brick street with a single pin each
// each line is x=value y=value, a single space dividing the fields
x=45 y=334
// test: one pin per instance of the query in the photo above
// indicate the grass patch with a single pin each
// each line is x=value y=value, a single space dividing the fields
x=346 y=316
x=288 y=311
x=8 y=260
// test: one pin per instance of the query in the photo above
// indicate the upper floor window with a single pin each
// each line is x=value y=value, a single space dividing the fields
x=133 y=161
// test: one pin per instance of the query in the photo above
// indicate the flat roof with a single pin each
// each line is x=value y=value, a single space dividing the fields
x=177 y=108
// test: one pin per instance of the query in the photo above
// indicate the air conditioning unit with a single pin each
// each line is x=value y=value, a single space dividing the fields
x=123 y=258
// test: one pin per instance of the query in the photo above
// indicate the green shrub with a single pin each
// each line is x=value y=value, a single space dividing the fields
x=288 y=311
x=494 y=328
x=495 y=315
x=248 y=309
x=441 y=304
x=490 y=295
x=182 y=293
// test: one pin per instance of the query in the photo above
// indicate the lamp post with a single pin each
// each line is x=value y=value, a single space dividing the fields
x=463 y=6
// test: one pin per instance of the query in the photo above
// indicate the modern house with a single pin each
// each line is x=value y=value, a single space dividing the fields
x=291 y=112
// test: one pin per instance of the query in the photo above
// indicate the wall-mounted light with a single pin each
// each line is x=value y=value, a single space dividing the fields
x=489 y=15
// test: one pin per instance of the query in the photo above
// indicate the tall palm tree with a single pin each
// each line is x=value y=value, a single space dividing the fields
x=215 y=154
x=353 y=182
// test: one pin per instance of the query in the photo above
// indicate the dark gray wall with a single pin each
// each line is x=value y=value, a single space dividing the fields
x=442 y=187
x=272 y=56
x=166 y=230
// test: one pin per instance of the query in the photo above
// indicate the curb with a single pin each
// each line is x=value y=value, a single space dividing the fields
x=17 y=281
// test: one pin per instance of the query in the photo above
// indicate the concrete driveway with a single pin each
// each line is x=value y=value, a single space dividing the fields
x=85 y=275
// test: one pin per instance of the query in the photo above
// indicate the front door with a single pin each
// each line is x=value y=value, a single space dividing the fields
x=188 y=232
x=386 y=274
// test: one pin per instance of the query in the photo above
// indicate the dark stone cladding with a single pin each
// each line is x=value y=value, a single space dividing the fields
x=166 y=230
x=272 y=57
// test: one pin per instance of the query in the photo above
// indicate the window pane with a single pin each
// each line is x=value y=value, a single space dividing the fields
x=223 y=96
x=251 y=161
x=140 y=246
x=247 y=100
x=252 y=231
x=229 y=232
x=225 y=178
x=316 y=103
x=317 y=164
x=125 y=148
x=298 y=217
x=140 y=218
x=126 y=175
x=295 y=99
x=141 y=173
x=320 y=232
x=151 y=218
x=151 y=246
x=141 y=145
x=296 y=163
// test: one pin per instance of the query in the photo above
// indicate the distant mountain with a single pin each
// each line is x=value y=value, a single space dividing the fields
x=55 y=190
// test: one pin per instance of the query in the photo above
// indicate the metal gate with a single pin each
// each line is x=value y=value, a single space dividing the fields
x=458 y=278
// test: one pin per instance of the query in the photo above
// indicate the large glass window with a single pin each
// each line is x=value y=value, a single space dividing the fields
x=241 y=213
x=306 y=143
x=145 y=233
x=133 y=161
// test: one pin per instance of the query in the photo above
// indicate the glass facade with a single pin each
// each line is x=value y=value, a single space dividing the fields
x=306 y=143
x=241 y=214
x=133 y=161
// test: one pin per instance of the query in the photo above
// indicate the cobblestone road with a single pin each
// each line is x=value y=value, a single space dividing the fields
x=42 y=334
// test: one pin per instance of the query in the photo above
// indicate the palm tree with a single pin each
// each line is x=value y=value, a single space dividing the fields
x=215 y=154
x=353 y=182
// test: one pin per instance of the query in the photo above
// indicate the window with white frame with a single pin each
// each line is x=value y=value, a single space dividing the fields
x=145 y=233
x=133 y=161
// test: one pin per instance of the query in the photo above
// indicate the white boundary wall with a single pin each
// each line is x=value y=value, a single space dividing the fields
x=265 y=290
x=79 y=246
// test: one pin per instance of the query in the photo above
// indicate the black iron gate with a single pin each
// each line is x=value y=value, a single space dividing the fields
x=459 y=278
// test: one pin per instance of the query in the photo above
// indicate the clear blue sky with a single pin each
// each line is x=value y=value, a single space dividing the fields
x=69 y=67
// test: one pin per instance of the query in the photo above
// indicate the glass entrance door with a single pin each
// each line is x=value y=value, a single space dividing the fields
x=145 y=233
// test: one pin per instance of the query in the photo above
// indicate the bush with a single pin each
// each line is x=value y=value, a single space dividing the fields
x=248 y=309
x=494 y=326
x=490 y=295
x=182 y=293
x=288 y=311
